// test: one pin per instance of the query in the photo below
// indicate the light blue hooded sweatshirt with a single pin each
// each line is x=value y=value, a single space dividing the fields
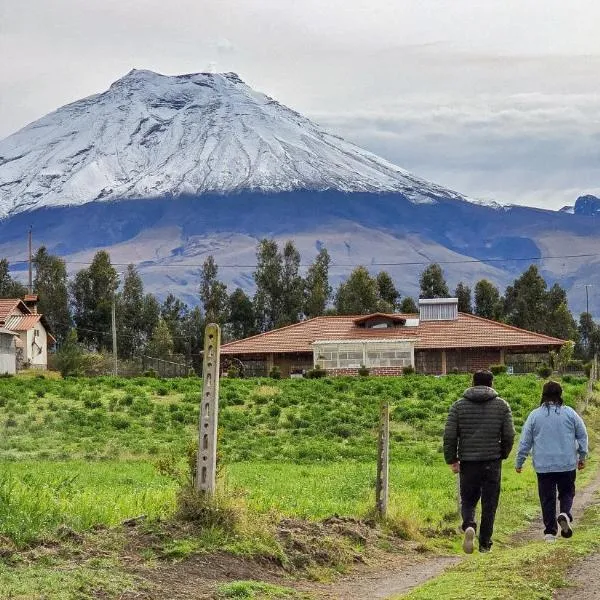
x=556 y=437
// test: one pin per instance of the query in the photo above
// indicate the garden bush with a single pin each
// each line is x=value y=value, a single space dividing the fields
x=497 y=369
x=544 y=371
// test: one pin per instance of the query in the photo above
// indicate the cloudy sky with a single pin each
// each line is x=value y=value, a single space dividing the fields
x=494 y=98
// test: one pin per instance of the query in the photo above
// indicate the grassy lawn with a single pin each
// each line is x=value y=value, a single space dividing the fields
x=83 y=453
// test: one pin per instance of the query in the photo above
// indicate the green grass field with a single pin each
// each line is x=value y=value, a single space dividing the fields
x=83 y=453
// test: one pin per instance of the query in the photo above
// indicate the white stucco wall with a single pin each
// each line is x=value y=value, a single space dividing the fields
x=37 y=358
x=8 y=360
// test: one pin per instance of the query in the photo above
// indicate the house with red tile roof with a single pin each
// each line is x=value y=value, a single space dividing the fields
x=438 y=340
x=30 y=329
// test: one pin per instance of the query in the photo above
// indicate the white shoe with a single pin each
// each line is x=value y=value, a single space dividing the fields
x=548 y=537
x=468 y=541
x=565 y=525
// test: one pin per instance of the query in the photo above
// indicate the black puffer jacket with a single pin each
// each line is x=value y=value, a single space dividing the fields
x=479 y=427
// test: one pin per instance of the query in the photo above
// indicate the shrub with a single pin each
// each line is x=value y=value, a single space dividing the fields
x=275 y=372
x=317 y=373
x=233 y=372
x=544 y=371
x=364 y=371
x=498 y=369
x=150 y=373
x=410 y=370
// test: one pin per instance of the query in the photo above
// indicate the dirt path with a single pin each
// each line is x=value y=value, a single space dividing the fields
x=584 y=576
x=396 y=577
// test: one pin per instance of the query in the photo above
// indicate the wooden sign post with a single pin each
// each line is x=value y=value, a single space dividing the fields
x=206 y=467
x=383 y=461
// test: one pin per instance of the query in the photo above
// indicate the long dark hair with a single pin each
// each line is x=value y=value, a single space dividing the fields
x=552 y=394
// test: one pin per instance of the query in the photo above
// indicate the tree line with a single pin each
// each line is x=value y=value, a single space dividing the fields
x=282 y=297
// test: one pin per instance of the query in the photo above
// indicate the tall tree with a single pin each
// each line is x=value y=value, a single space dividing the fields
x=192 y=332
x=292 y=286
x=408 y=306
x=488 y=303
x=387 y=291
x=9 y=287
x=463 y=293
x=559 y=321
x=92 y=295
x=317 y=289
x=137 y=314
x=268 y=298
x=432 y=282
x=174 y=312
x=241 y=316
x=358 y=295
x=50 y=284
x=213 y=293
x=587 y=330
x=525 y=301
x=161 y=342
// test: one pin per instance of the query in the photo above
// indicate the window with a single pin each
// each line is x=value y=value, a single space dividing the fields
x=351 y=355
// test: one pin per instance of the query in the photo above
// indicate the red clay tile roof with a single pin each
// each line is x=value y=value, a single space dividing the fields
x=468 y=331
x=24 y=323
x=7 y=307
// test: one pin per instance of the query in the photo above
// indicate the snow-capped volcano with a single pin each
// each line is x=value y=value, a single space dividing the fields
x=151 y=135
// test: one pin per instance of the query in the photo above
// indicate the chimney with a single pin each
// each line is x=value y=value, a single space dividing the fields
x=438 y=309
x=31 y=301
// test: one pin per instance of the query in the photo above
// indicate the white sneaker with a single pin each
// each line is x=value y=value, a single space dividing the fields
x=565 y=525
x=548 y=537
x=468 y=541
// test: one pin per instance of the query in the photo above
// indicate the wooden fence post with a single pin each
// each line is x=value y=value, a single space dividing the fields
x=206 y=467
x=383 y=461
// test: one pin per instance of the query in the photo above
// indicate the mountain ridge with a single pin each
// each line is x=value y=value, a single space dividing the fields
x=152 y=135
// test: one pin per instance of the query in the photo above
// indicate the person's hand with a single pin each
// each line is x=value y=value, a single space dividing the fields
x=581 y=465
x=455 y=466
x=519 y=469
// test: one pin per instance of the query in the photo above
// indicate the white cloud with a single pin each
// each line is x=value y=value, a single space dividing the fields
x=492 y=98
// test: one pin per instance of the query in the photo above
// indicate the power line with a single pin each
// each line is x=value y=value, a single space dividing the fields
x=145 y=264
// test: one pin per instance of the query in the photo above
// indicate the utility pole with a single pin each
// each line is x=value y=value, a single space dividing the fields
x=30 y=260
x=587 y=297
x=114 y=332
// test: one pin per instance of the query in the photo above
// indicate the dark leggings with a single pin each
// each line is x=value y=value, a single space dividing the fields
x=549 y=484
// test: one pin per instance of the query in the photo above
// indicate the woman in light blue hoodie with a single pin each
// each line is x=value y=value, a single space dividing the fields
x=557 y=439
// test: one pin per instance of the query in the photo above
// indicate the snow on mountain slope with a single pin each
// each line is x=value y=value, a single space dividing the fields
x=151 y=135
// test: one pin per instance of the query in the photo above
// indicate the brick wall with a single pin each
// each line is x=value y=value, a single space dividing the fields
x=469 y=361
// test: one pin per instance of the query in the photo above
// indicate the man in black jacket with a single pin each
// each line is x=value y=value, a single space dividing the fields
x=479 y=435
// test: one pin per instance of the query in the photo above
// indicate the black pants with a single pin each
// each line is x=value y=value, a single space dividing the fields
x=548 y=485
x=480 y=480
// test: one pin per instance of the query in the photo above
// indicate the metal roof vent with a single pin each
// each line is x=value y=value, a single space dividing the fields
x=438 y=309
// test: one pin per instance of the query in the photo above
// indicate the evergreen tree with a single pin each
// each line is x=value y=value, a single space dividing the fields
x=587 y=331
x=192 y=332
x=292 y=286
x=92 y=295
x=50 y=284
x=268 y=299
x=525 y=301
x=161 y=343
x=433 y=284
x=317 y=288
x=408 y=306
x=9 y=287
x=213 y=293
x=241 y=316
x=559 y=321
x=358 y=295
x=173 y=312
x=137 y=315
x=488 y=303
x=463 y=293
x=387 y=291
